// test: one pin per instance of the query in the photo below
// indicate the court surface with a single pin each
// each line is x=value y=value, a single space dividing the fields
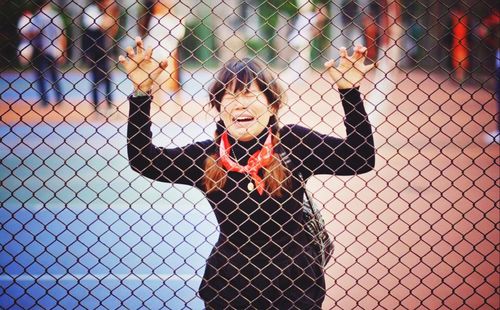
x=79 y=228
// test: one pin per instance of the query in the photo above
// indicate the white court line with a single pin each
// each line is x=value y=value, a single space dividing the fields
x=25 y=277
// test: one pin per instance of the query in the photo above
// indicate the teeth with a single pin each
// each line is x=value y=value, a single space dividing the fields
x=242 y=119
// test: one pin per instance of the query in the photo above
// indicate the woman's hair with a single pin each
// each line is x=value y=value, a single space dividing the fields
x=237 y=76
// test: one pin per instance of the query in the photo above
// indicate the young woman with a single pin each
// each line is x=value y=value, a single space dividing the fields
x=262 y=259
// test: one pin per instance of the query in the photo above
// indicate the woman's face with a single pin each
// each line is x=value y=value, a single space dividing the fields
x=245 y=114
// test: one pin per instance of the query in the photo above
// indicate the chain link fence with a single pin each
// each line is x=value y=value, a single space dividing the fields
x=81 y=229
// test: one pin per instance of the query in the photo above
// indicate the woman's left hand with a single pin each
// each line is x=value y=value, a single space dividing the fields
x=351 y=69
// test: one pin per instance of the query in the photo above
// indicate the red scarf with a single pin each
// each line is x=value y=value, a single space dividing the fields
x=258 y=160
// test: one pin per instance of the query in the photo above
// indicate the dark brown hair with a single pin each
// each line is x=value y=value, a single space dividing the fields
x=237 y=76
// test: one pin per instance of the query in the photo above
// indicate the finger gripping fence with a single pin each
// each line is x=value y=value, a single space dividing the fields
x=255 y=154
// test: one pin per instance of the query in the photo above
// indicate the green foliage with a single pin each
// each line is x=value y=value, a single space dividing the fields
x=255 y=46
x=198 y=46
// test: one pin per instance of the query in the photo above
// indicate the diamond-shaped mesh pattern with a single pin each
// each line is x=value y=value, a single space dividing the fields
x=95 y=216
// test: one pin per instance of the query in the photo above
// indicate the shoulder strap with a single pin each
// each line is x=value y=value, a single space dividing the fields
x=289 y=163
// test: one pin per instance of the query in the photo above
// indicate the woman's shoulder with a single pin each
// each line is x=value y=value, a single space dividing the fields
x=206 y=146
x=292 y=136
x=291 y=131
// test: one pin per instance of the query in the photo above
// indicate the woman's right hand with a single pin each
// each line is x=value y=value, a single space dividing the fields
x=141 y=69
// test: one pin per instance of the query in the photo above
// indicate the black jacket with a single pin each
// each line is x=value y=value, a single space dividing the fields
x=261 y=258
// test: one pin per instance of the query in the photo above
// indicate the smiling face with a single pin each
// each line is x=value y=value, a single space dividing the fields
x=246 y=96
x=245 y=113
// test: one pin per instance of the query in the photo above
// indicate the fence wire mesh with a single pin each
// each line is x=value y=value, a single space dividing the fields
x=82 y=227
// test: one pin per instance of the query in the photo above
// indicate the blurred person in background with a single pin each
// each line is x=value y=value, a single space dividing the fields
x=165 y=29
x=376 y=24
x=489 y=31
x=145 y=14
x=229 y=28
x=305 y=27
x=100 y=23
x=459 y=53
x=346 y=24
x=276 y=17
x=45 y=32
x=371 y=13
x=24 y=48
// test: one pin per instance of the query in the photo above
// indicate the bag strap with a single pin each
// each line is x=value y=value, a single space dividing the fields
x=289 y=163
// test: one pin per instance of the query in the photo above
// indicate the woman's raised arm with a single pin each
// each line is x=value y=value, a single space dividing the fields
x=323 y=154
x=182 y=165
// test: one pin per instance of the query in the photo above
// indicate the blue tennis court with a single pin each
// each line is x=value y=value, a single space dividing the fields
x=80 y=228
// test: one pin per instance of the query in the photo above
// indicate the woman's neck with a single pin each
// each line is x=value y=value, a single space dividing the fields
x=242 y=150
x=259 y=139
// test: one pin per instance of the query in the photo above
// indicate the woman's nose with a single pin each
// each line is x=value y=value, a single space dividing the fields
x=241 y=102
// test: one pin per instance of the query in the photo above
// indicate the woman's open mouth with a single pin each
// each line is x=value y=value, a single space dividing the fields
x=243 y=120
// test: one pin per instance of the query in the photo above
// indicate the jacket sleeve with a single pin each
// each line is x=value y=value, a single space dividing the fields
x=183 y=165
x=316 y=153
